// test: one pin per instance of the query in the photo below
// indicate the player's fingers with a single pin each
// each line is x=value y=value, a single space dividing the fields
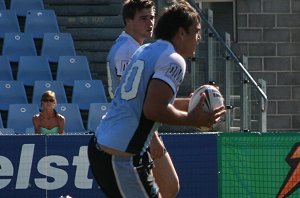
x=219 y=109
x=218 y=115
x=202 y=98
x=217 y=119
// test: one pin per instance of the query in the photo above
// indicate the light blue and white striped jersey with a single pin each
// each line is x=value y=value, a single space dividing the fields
x=118 y=58
x=125 y=127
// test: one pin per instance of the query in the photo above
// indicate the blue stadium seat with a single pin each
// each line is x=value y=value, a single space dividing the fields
x=7 y=131
x=33 y=68
x=5 y=69
x=86 y=92
x=18 y=44
x=19 y=116
x=57 y=44
x=12 y=92
x=39 y=22
x=1 y=121
x=22 y=6
x=40 y=87
x=73 y=119
x=2 y=5
x=8 y=22
x=71 y=68
x=96 y=111
x=30 y=130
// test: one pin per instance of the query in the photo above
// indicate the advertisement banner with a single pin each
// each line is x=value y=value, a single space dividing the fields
x=54 y=165
x=45 y=166
x=259 y=165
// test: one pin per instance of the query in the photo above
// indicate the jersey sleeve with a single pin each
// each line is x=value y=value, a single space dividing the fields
x=170 y=69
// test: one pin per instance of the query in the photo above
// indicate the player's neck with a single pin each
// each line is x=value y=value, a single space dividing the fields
x=179 y=48
x=135 y=37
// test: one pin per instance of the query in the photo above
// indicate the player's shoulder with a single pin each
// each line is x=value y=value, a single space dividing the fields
x=173 y=58
x=127 y=40
x=121 y=51
x=169 y=53
x=128 y=46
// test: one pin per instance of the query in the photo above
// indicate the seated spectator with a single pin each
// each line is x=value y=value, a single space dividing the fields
x=48 y=121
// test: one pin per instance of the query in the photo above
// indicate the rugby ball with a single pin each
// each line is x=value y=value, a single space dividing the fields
x=213 y=100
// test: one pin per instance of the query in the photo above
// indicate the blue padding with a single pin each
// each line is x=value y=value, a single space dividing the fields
x=195 y=159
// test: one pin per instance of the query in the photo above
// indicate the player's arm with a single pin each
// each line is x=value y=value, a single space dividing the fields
x=157 y=107
x=182 y=103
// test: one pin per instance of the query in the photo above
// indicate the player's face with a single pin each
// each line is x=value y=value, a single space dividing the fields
x=141 y=26
x=191 y=39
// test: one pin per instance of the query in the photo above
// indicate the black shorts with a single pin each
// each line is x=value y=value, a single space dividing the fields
x=122 y=176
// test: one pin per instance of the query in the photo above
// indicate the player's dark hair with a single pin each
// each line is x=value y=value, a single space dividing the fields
x=180 y=14
x=130 y=7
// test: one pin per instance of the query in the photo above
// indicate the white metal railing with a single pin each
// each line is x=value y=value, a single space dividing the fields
x=231 y=60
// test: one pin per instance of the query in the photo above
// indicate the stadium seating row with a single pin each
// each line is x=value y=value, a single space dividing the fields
x=84 y=92
x=54 y=45
x=37 y=22
x=21 y=6
x=20 y=47
x=19 y=119
x=33 y=68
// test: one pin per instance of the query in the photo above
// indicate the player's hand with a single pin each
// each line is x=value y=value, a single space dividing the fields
x=201 y=118
x=157 y=147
